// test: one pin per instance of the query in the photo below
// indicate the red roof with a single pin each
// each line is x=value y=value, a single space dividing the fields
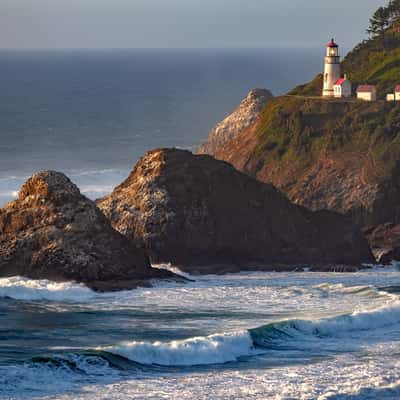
x=366 y=88
x=340 y=81
x=397 y=89
x=332 y=43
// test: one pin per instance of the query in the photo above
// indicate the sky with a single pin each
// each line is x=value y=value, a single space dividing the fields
x=182 y=23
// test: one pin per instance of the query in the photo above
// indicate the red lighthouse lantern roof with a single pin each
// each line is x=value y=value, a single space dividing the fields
x=332 y=44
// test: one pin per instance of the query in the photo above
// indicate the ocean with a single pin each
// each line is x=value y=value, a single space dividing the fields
x=245 y=336
x=300 y=335
x=92 y=114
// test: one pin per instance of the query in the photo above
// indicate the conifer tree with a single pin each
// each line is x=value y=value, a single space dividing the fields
x=379 y=22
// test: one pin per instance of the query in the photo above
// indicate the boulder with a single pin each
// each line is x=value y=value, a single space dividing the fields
x=53 y=232
x=194 y=211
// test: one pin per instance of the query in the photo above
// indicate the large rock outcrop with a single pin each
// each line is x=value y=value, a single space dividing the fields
x=341 y=155
x=326 y=154
x=193 y=210
x=233 y=125
x=51 y=231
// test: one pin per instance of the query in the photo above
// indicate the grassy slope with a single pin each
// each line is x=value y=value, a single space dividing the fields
x=341 y=148
x=295 y=129
x=375 y=61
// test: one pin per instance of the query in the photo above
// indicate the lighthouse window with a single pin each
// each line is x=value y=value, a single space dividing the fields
x=326 y=77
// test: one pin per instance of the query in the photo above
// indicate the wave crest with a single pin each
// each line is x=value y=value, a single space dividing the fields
x=336 y=327
x=20 y=288
x=214 y=349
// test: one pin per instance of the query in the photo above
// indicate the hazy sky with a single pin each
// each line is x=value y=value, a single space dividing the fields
x=182 y=23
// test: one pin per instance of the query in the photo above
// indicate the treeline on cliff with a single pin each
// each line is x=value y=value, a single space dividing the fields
x=375 y=61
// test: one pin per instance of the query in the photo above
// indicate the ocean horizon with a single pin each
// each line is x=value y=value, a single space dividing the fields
x=92 y=114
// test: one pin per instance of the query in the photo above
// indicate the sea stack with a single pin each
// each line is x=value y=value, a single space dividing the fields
x=195 y=211
x=53 y=232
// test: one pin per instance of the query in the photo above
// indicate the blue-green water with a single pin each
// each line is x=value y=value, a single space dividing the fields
x=257 y=335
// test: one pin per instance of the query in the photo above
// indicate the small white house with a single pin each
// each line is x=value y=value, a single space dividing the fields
x=390 y=97
x=397 y=93
x=342 y=88
x=366 y=92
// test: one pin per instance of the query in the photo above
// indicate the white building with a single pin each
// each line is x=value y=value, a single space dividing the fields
x=390 y=97
x=342 y=88
x=332 y=68
x=366 y=92
x=397 y=93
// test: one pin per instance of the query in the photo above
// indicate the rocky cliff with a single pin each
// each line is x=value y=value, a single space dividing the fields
x=326 y=154
x=340 y=155
x=53 y=232
x=195 y=211
x=233 y=125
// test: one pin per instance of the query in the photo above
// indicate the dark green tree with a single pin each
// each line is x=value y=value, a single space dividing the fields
x=379 y=22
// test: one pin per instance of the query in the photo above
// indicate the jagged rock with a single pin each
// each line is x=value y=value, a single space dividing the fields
x=233 y=125
x=51 y=231
x=193 y=210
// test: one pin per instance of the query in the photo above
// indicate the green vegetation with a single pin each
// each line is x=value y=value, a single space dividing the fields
x=384 y=18
x=374 y=61
x=298 y=130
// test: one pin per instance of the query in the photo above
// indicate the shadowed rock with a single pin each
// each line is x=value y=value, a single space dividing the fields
x=53 y=232
x=195 y=211
x=384 y=240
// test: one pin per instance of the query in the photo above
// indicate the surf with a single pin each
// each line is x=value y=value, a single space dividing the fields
x=231 y=347
x=25 y=289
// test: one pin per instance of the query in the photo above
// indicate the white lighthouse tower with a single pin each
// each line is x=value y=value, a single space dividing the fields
x=332 y=68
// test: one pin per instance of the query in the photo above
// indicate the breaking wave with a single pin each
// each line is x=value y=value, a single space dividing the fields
x=334 y=327
x=62 y=373
x=230 y=347
x=214 y=349
x=20 y=288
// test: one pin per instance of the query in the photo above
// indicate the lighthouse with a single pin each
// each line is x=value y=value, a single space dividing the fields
x=332 y=68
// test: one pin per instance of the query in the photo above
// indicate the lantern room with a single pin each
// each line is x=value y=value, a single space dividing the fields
x=332 y=49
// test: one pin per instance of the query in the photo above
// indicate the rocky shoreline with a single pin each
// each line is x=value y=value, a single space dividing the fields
x=189 y=210
x=53 y=232
x=219 y=269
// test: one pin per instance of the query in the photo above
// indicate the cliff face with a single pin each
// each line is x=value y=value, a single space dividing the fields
x=326 y=154
x=194 y=210
x=53 y=232
x=233 y=125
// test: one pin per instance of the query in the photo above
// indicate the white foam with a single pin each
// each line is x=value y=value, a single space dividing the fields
x=214 y=349
x=345 y=377
x=362 y=320
x=171 y=268
x=54 y=377
x=20 y=288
